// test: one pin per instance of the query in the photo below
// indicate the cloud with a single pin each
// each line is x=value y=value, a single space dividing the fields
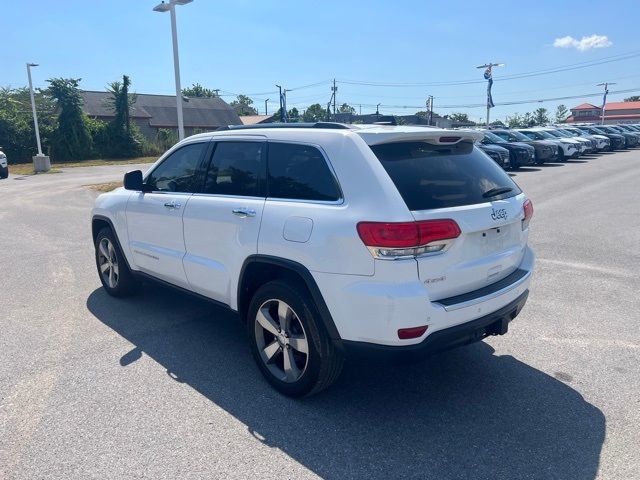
x=585 y=43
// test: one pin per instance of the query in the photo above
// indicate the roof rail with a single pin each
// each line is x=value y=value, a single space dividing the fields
x=331 y=125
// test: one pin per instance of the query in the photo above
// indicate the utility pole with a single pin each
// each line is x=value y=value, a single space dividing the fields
x=360 y=109
x=334 y=89
x=488 y=75
x=283 y=103
x=171 y=8
x=217 y=92
x=41 y=163
x=430 y=109
x=378 y=112
x=604 y=99
x=265 y=107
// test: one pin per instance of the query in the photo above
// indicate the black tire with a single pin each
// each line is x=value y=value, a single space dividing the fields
x=561 y=156
x=4 y=172
x=323 y=362
x=124 y=283
x=514 y=163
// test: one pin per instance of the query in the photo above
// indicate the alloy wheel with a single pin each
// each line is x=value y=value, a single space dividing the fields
x=108 y=263
x=281 y=340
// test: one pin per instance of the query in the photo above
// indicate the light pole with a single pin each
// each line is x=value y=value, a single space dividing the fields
x=171 y=7
x=604 y=99
x=266 y=112
x=41 y=162
x=489 y=77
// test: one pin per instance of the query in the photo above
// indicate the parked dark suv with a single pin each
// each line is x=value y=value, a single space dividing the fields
x=617 y=139
x=520 y=154
x=546 y=151
x=630 y=139
x=498 y=154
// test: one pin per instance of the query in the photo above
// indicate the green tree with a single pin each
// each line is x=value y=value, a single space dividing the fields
x=561 y=113
x=242 y=105
x=633 y=98
x=541 y=117
x=17 y=133
x=198 y=91
x=515 y=121
x=346 y=108
x=459 y=117
x=71 y=140
x=293 y=115
x=315 y=113
x=528 y=120
x=123 y=139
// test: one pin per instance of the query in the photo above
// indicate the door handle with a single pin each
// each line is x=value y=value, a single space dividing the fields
x=172 y=204
x=244 y=212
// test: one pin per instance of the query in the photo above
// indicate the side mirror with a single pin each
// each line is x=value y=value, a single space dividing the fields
x=133 y=181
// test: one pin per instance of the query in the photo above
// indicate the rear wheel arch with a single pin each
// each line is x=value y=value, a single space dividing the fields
x=98 y=222
x=260 y=269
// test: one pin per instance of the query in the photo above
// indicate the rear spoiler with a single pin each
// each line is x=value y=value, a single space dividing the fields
x=376 y=136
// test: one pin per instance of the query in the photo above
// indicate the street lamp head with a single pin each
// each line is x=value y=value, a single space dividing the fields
x=162 y=7
x=166 y=6
x=32 y=64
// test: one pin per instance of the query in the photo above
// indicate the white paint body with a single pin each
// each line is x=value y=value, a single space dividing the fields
x=202 y=246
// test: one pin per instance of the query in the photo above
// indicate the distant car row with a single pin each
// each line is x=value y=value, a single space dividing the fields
x=515 y=148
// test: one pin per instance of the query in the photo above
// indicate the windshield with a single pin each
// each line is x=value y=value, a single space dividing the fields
x=568 y=133
x=521 y=137
x=553 y=133
x=574 y=131
x=546 y=135
x=493 y=138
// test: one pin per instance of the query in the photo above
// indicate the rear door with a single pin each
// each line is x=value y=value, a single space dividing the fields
x=456 y=182
x=222 y=222
x=154 y=219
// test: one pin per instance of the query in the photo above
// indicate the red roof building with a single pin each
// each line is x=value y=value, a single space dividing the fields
x=615 y=112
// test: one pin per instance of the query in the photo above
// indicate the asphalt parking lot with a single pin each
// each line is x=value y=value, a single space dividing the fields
x=163 y=386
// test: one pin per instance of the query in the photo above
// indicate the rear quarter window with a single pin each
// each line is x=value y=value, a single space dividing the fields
x=440 y=176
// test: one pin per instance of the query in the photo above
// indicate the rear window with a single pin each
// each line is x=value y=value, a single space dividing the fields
x=441 y=176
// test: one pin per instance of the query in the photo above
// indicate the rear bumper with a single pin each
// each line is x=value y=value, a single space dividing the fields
x=372 y=309
x=496 y=323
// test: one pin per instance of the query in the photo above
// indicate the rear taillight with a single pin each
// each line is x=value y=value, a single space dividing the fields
x=392 y=240
x=528 y=213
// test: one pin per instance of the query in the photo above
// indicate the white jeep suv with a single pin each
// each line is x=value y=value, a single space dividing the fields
x=327 y=240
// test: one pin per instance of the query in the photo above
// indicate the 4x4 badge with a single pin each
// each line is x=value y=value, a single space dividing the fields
x=499 y=214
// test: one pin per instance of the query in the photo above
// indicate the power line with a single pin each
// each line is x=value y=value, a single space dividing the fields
x=547 y=71
x=519 y=102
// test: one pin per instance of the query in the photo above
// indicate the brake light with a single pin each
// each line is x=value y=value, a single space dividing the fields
x=413 y=332
x=528 y=213
x=406 y=239
x=449 y=139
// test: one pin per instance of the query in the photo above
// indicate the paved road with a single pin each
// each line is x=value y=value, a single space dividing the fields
x=163 y=386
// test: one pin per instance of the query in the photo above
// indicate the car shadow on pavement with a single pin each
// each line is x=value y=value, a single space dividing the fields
x=466 y=413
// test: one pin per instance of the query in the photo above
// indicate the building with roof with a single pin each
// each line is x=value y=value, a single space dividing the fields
x=255 y=119
x=153 y=112
x=615 y=112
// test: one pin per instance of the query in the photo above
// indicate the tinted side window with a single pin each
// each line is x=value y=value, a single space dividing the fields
x=236 y=169
x=503 y=135
x=299 y=172
x=441 y=176
x=177 y=173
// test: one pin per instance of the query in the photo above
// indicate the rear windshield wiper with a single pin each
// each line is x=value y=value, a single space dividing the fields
x=494 y=192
